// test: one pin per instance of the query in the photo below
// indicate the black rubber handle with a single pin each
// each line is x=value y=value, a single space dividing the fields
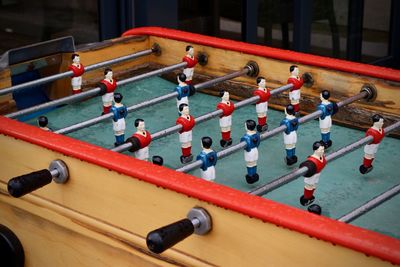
x=24 y=184
x=11 y=250
x=165 y=237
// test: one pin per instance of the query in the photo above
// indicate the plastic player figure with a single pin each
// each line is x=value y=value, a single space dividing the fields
x=290 y=134
x=294 y=94
x=43 y=122
x=184 y=90
x=262 y=105
x=191 y=63
x=185 y=135
x=78 y=69
x=315 y=164
x=328 y=109
x=252 y=139
x=140 y=141
x=377 y=132
x=209 y=159
x=119 y=112
x=107 y=86
x=225 y=120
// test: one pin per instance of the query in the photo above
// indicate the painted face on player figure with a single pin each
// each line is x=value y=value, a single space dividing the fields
x=320 y=151
x=378 y=124
x=295 y=72
x=141 y=126
x=225 y=97
x=262 y=83
x=109 y=75
x=191 y=51
x=185 y=110
x=76 y=60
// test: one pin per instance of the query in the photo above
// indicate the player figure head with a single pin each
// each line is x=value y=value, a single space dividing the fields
x=42 y=121
x=324 y=95
x=108 y=73
x=224 y=95
x=289 y=110
x=206 y=142
x=139 y=124
x=118 y=97
x=378 y=121
x=75 y=58
x=181 y=77
x=319 y=149
x=250 y=125
x=294 y=70
x=190 y=50
x=261 y=82
x=184 y=109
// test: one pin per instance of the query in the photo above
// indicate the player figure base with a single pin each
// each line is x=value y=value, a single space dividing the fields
x=306 y=201
x=290 y=161
x=262 y=128
x=225 y=143
x=364 y=170
x=327 y=144
x=186 y=159
x=251 y=179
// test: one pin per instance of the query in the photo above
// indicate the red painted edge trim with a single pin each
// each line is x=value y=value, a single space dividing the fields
x=368 y=242
x=286 y=55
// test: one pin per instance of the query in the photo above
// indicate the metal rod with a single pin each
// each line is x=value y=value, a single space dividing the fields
x=148 y=103
x=92 y=92
x=280 y=181
x=226 y=152
x=69 y=73
x=369 y=205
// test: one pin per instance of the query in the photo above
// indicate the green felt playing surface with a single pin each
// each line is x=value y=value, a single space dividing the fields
x=341 y=187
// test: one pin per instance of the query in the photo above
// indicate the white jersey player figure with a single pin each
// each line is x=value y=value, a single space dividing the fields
x=208 y=158
x=315 y=164
x=119 y=112
x=377 y=132
x=225 y=120
x=78 y=69
x=328 y=109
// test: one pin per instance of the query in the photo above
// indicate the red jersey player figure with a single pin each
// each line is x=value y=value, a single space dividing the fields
x=191 y=63
x=315 y=164
x=107 y=86
x=78 y=69
x=225 y=120
x=140 y=141
x=185 y=135
x=43 y=122
x=262 y=104
x=294 y=94
x=377 y=132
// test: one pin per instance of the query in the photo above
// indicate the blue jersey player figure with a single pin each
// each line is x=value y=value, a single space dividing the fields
x=328 y=109
x=119 y=112
x=252 y=140
x=290 y=134
x=209 y=159
x=184 y=90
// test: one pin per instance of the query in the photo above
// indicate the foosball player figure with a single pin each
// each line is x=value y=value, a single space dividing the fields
x=140 y=141
x=43 y=122
x=315 y=164
x=185 y=134
x=294 y=93
x=262 y=104
x=252 y=140
x=377 y=132
x=191 y=61
x=290 y=134
x=225 y=120
x=209 y=159
x=184 y=90
x=107 y=86
x=328 y=109
x=78 y=69
x=157 y=160
x=119 y=112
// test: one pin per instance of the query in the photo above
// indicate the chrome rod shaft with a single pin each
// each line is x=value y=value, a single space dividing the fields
x=69 y=73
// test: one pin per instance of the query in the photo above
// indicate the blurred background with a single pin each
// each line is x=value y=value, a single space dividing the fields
x=365 y=31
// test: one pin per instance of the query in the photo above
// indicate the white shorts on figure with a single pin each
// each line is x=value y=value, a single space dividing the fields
x=185 y=137
x=291 y=138
x=225 y=121
x=262 y=107
x=371 y=149
x=184 y=100
x=208 y=174
x=325 y=123
x=189 y=73
x=142 y=153
x=313 y=180
x=76 y=81
x=251 y=156
x=119 y=125
x=294 y=95
x=107 y=98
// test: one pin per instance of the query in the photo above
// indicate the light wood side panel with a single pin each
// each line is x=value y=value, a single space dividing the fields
x=138 y=207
